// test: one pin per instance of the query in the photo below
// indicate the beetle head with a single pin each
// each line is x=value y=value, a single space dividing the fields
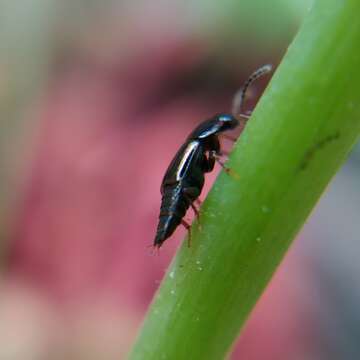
x=216 y=124
x=226 y=122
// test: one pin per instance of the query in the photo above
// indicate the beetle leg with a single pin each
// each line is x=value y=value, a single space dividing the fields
x=196 y=211
x=208 y=163
x=228 y=137
x=198 y=201
x=245 y=116
x=189 y=198
x=226 y=169
x=222 y=164
x=197 y=214
x=224 y=153
x=187 y=227
x=190 y=193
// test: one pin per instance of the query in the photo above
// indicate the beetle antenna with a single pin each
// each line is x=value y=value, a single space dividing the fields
x=239 y=96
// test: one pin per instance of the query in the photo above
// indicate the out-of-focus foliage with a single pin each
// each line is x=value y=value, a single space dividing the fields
x=25 y=46
x=237 y=23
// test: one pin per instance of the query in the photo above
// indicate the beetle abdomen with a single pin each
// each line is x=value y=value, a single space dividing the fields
x=173 y=208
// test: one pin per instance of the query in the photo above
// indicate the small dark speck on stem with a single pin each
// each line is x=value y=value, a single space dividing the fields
x=309 y=155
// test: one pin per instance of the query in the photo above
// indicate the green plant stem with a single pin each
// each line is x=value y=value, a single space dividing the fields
x=304 y=127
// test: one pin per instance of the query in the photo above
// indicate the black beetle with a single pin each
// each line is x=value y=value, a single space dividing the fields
x=184 y=178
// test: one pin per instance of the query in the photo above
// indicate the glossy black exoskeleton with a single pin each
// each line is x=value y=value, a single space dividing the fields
x=184 y=178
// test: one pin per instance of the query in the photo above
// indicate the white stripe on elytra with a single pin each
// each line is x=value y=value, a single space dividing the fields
x=188 y=153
